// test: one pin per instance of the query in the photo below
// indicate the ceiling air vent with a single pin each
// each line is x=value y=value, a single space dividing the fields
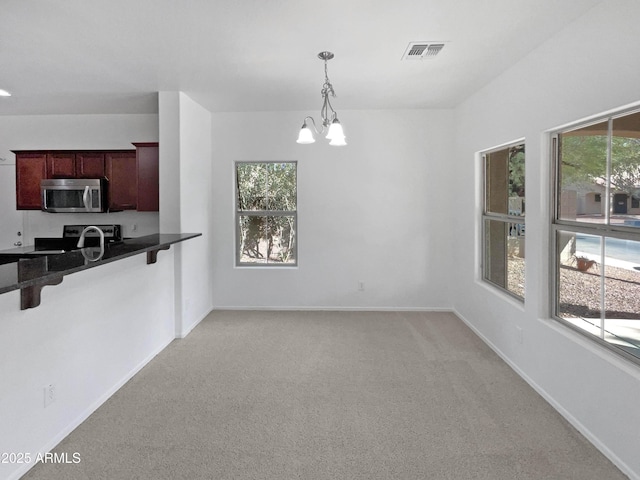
x=422 y=50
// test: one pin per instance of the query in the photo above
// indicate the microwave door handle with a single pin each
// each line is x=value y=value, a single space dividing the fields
x=85 y=198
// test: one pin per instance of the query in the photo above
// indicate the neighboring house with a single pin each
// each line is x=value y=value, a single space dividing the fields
x=589 y=200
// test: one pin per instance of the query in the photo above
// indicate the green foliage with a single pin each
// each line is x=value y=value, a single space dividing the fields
x=516 y=171
x=625 y=164
x=584 y=161
x=266 y=191
x=266 y=186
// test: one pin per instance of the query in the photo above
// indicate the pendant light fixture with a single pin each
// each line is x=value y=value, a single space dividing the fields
x=330 y=122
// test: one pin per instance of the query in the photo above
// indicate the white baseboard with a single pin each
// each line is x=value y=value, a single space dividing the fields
x=557 y=406
x=50 y=445
x=333 y=309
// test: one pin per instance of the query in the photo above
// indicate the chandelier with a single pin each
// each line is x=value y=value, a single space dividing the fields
x=330 y=122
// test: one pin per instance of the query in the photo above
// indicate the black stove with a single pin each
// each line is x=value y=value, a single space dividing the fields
x=71 y=235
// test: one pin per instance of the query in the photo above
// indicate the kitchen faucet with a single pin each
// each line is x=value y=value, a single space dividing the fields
x=91 y=227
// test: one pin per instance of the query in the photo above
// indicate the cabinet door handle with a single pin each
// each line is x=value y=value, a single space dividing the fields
x=17 y=244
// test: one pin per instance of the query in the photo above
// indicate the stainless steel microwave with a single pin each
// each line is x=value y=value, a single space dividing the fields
x=73 y=195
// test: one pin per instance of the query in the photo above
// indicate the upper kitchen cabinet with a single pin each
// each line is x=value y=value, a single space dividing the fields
x=90 y=165
x=148 y=176
x=61 y=165
x=31 y=168
x=122 y=180
x=132 y=175
x=75 y=165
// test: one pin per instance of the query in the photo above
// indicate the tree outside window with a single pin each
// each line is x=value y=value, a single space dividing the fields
x=503 y=218
x=596 y=231
x=266 y=215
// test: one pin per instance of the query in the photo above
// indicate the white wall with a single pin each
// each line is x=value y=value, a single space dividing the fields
x=375 y=211
x=90 y=334
x=10 y=218
x=169 y=153
x=57 y=132
x=42 y=224
x=185 y=202
x=586 y=69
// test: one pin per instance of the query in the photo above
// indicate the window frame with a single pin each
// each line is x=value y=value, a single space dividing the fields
x=603 y=230
x=507 y=219
x=262 y=213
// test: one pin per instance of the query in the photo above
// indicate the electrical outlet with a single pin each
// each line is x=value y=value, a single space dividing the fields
x=519 y=335
x=49 y=394
x=361 y=286
x=134 y=227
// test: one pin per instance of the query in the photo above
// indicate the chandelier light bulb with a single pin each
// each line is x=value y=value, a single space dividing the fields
x=335 y=130
x=338 y=142
x=306 y=135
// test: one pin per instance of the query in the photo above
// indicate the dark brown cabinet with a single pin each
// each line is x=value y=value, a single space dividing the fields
x=122 y=180
x=148 y=177
x=61 y=165
x=132 y=175
x=31 y=168
x=75 y=165
x=90 y=165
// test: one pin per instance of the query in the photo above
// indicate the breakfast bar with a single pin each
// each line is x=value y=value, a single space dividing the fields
x=31 y=275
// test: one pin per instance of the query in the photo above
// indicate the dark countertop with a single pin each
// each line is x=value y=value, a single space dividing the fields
x=25 y=250
x=49 y=269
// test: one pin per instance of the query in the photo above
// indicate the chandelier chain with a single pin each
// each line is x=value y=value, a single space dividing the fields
x=327 y=112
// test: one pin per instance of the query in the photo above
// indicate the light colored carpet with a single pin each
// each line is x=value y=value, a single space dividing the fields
x=328 y=395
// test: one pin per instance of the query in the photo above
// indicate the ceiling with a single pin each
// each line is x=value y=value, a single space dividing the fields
x=112 y=56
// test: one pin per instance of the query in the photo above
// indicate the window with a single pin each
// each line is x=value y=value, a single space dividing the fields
x=266 y=216
x=503 y=219
x=597 y=244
